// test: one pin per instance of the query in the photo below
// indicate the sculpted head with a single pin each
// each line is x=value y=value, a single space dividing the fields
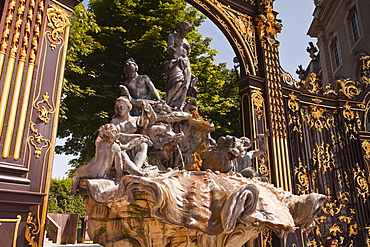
x=108 y=133
x=130 y=67
x=185 y=26
x=122 y=106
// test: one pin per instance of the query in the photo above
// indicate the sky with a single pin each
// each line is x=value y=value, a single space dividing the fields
x=296 y=16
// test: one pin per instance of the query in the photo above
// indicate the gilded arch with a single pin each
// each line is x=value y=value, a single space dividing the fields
x=236 y=20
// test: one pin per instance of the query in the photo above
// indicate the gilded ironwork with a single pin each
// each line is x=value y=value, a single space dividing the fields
x=302 y=178
x=58 y=21
x=258 y=102
x=293 y=103
x=245 y=27
x=353 y=229
x=368 y=237
x=7 y=25
x=266 y=237
x=313 y=84
x=335 y=230
x=31 y=231
x=347 y=112
x=36 y=139
x=267 y=25
x=317 y=101
x=319 y=118
x=43 y=110
x=366 y=146
x=345 y=219
x=267 y=2
x=349 y=88
x=362 y=183
x=353 y=122
x=28 y=80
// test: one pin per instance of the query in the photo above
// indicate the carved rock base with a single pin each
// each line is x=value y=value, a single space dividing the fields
x=134 y=226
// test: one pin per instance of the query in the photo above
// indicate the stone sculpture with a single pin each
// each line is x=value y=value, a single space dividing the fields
x=180 y=81
x=159 y=179
x=139 y=86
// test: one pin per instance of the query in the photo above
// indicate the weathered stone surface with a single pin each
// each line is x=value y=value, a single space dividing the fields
x=200 y=208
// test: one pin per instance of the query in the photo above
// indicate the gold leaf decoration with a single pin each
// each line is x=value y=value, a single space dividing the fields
x=57 y=21
x=361 y=181
x=258 y=101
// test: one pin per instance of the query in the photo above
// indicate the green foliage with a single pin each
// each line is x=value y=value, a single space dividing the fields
x=61 y=202
x=110 y=32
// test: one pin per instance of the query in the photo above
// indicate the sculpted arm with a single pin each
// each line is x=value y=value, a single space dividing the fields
x=171 y=50
x=149 y=84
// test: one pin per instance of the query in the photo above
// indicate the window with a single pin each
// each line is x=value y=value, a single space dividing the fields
x=336 y=54
x=355 y=25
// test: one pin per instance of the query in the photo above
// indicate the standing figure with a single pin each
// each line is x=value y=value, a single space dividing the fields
x=139 y=86
x=180 y=81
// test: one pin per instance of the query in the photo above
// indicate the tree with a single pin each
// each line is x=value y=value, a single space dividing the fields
x=112 y=31
x=61 y=202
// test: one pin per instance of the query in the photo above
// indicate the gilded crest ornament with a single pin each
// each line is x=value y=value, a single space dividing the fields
x=267 y=25
x=58 y=21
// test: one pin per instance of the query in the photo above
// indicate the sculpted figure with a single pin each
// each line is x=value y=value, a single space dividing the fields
x=231 y=154
x=245 y=159
x=139 y=86
x=180 y=81
x=134 y=146
x=107 y=154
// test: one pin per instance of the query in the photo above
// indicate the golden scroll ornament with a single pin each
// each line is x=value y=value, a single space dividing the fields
x=57 y=21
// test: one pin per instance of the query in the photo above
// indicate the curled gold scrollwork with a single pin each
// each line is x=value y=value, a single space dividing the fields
x=36 y=139
x=42 y=109
x=318 y=119
x=349 y=88
x=31 y=231
x=347 y=112
x=245 y=27
x=58 y=21
x=313 y=84
x=335 y=230
x=366 y=146
x=351 y=126
x=266 y=237
x=319 y=220
x=262 y=166
x=368 y=236
x=258 y=101
x=331 y=207
x=302 y=178
x=353 y=229
x=361 y=181
x=345 y=219
x=293 y=103
x=266 y=2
